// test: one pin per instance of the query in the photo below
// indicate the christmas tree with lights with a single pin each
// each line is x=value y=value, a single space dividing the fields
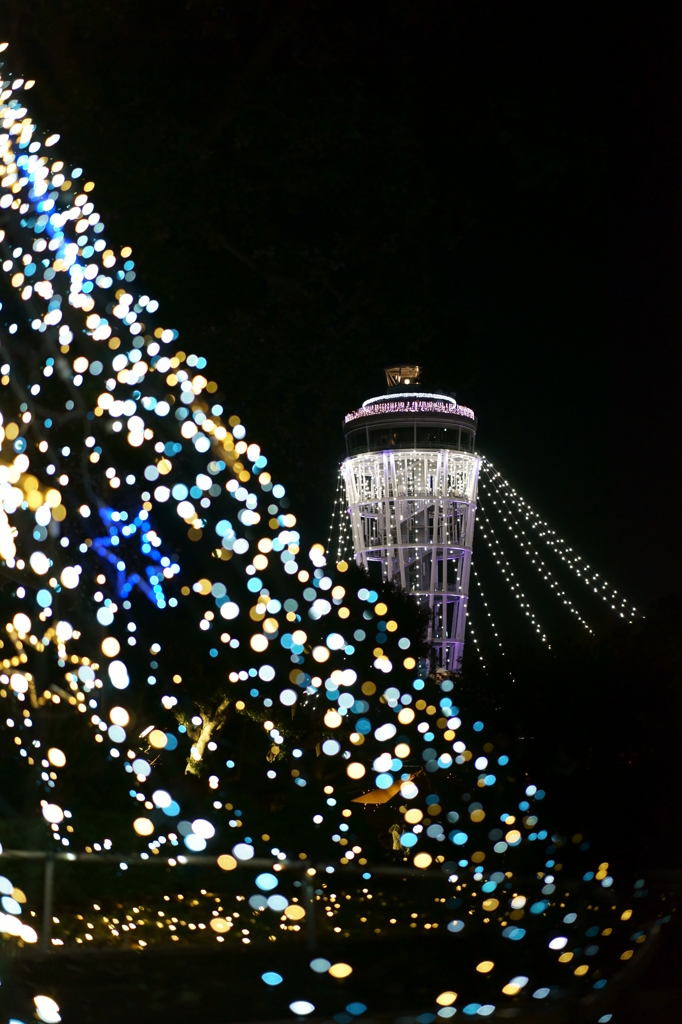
x=187 y=685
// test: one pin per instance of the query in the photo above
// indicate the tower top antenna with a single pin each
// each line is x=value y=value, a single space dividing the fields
x=398 y=375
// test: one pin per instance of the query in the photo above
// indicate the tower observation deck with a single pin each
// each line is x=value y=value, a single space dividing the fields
x=411 y=479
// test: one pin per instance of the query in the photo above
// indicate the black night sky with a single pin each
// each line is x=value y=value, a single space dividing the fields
x=313 y=192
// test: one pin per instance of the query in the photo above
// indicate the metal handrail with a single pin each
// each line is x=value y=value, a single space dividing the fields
x=306 y=868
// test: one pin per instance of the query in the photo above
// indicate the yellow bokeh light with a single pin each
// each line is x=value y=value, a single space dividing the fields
x=355 y=770
x=119 y=716
x=402 y=750
x=56 y=757
x=220 y=925
x=406 y=716
x=423 y=860
x=485 y=966
x=413 y=816
x=446 y=998
x=294 y=912
x=110 y=647
x=259 y=643
x=143 y=826
x=157 y=739
x=21 y=623
x=332 y=719
x=340 y=970
x=226 y=862
x=409 y=663
x=320 y=654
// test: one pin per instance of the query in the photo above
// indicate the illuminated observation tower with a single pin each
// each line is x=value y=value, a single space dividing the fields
x=411 y=477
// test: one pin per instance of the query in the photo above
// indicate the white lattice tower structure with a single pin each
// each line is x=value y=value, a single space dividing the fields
x=411 y=478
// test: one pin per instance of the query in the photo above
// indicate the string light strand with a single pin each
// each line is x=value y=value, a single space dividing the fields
x=492 y=623
x=487 y=531
x=561 y=548
x=516 y=530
